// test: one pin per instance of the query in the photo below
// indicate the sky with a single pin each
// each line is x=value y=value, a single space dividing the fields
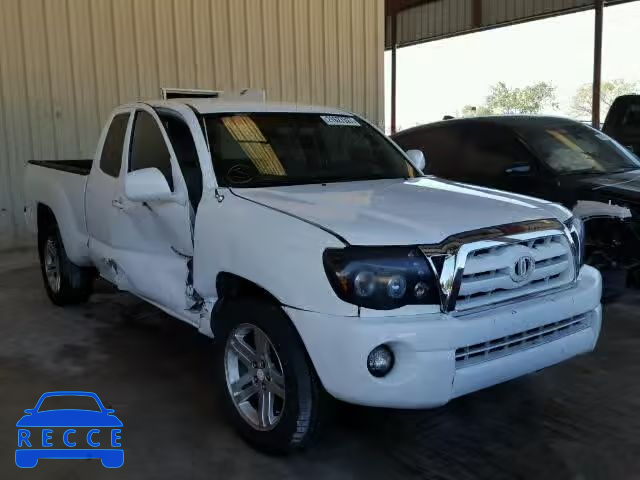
x=439 y=78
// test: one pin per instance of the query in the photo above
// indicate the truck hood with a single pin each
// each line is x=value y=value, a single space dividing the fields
x=401 y=212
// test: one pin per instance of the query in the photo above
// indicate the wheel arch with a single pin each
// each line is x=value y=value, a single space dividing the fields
x=45 y=218
x=232 y=286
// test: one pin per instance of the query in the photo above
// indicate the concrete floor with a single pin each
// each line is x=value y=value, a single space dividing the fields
x=579 y=420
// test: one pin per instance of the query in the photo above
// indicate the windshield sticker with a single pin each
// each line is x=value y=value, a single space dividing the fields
x=340 y=121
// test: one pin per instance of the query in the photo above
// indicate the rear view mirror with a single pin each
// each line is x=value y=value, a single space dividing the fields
x=518 y=169
x=146 y=185
x=417 y=158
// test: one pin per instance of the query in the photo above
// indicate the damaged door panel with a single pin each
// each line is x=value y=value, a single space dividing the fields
x=152 y=240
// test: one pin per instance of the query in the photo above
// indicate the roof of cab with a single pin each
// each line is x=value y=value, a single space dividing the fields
x=212 y=105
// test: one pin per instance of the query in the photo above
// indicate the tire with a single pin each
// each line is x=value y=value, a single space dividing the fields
x=296 y=407
x=65 y=283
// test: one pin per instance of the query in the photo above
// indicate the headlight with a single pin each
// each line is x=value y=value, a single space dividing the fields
x=381 y=278
x=576 y=229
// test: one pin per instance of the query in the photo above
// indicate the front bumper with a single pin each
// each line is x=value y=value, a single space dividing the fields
x=426 y=373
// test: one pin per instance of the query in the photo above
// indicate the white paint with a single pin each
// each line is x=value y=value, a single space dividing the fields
x=424 y=374
x=146 y=185
x=587 y=209
x=275 y=237
x=398 y=212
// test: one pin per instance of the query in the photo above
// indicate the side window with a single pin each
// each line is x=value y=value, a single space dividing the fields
x=111 y=155
x=489 y=150
x=148 y=148
x=631 y=117
x=185 y=149
x=440 y=148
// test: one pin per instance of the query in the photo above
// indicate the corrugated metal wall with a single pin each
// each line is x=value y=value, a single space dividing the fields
x=444 y=18
x=64 y=64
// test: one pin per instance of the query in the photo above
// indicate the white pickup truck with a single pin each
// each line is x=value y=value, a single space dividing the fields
x=316 y=254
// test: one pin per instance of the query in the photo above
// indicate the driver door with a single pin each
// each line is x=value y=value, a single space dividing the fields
x=152 y=241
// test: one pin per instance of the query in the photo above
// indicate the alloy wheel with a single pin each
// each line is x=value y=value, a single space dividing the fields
x=254 y=376
x=52 y=265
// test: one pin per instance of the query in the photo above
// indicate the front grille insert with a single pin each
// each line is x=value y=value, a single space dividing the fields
x=488 y=273
x=500 y=347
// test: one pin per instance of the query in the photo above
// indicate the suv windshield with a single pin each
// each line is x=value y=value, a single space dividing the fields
x=274 y=149
x=571 y=147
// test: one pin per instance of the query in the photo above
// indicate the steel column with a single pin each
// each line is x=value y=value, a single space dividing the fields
x=597 y=64
x=394 y=48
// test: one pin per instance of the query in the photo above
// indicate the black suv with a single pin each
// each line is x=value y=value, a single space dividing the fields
x=623 y=122
x=548 y=157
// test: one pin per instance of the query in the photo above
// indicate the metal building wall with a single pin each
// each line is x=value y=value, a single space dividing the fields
x=64 y=64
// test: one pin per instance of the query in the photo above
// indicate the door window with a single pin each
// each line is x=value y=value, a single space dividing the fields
x=488 y=151
x=148 y=148
x=185 y=149
x=440 y=146
x=111 y=156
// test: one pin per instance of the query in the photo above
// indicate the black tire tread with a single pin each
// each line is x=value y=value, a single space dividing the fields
x=312 y=399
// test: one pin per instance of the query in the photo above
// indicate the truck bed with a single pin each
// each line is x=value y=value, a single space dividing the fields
x=79 y=167
x=60 y=187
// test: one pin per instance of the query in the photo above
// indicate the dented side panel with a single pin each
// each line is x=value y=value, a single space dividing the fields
x=281 y=254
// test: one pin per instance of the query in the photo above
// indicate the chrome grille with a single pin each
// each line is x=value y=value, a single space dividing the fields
x=488 y=276
x=499 y=347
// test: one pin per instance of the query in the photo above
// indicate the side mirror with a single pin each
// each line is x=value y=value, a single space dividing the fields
x=518 y=169
x=29 y=411
x=146 y=185
x=417 y=158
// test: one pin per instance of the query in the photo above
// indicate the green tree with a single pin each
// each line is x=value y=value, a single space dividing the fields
x=473 y=111
x=582 y=102
x=502 y=100
x=526 y=100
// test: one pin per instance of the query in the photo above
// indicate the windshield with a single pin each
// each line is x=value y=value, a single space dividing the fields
x=274 y=149
x=571 y=147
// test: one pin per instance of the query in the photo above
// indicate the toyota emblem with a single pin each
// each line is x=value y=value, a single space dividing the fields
x=522 y=270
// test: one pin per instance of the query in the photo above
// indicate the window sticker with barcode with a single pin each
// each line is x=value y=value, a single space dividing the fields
x=340 y=121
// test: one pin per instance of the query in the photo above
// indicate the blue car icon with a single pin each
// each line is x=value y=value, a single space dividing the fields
x=36 y=428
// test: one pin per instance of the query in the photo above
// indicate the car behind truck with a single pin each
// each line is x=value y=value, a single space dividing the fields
x=317 y=256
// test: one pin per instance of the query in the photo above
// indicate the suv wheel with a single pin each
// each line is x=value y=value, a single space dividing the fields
x=270 y=388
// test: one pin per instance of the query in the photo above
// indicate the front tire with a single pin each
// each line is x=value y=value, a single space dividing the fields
x=268 y=386
x=65 y=282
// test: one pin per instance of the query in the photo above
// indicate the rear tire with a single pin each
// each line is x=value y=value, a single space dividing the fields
x=274 y=370
x=65 y=283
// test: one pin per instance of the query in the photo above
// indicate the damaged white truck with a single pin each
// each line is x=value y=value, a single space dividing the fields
x=316 y=254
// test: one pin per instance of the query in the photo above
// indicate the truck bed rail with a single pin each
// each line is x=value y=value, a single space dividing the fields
x=78 y=167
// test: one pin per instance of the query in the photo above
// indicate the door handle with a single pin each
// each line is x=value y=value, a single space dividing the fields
x=117 y=203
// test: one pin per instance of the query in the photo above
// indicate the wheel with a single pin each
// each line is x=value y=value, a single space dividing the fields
x=64 y=282
x=269 y=387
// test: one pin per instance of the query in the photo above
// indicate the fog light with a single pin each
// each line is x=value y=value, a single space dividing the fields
x=380 y=361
